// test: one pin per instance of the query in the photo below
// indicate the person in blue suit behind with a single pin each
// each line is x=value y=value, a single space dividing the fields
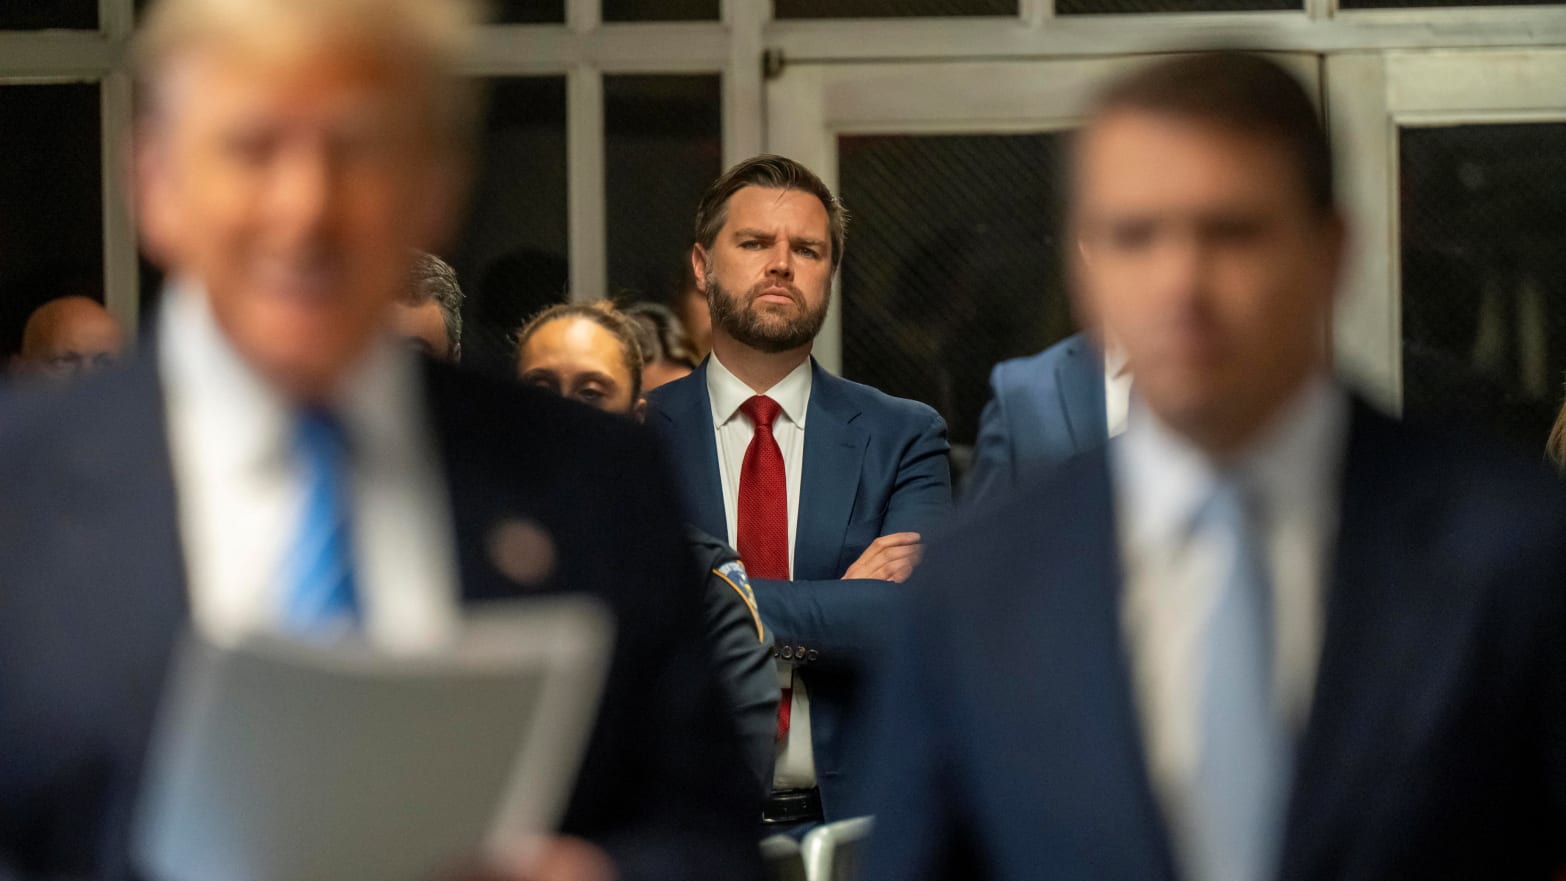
x=1268 y=633
x=1046 y=408
x=826 y=487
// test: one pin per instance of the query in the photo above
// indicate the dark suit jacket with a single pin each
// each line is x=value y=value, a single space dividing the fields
x=742 y=650
x=1043 y=409
x=92 y=596
x=873 y=465
x=1436 y=748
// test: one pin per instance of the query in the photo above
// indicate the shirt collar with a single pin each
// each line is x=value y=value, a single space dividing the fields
x=251 y=420
x=1162 y=479
x=1116 y=362
x=728 y=392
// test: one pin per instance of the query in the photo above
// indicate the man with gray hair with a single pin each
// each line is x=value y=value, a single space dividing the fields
x=277 y=466
x=429 y=316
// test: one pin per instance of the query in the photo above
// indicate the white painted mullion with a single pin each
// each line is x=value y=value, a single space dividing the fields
x=121 y=270
x=586 y=191
x=116 y=98
x=744 y=119
x=1035 y=12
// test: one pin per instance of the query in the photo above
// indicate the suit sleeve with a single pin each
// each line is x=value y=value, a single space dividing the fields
x=845 y=621
x=742 y=650
x=686 y=809
x=992 y=454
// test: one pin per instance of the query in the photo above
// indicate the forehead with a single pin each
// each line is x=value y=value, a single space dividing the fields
x=770 y=210
x=229 y=78
x=577 y=344
x=1141 y=159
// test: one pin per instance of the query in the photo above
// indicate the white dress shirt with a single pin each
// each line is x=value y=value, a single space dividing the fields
x=1117 y=390
x=240 y=492
x=1174 y=571
x=795 y=767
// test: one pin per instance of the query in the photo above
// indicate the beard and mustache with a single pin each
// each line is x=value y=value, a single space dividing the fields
x=761 y=329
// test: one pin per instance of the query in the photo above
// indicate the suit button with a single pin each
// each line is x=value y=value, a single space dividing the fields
x=788 y=653
x=813 y=654
x=799 y=652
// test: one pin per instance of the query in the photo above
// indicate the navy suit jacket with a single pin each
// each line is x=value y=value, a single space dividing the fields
x=1043 y=409
x=873 y=465
x=93 y=595
x=1436 y=746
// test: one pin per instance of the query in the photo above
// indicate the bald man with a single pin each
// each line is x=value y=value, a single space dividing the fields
x=68 y=337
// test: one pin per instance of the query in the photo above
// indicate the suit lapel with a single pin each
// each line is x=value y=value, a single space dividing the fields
x=1079 y=379
x=1393 y=639
x=686 y=411
x=829 y=482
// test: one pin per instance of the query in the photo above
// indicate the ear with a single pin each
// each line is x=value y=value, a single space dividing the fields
x=699 y=266
x=639 y=411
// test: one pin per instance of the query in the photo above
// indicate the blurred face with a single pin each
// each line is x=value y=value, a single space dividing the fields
x=74 y=337
x=422 y=327
x=295 y=188
x=768 y=276
x=1201 y=256
x=579 y=359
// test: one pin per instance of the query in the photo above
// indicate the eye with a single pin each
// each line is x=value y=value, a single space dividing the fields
x=752 y=245
x=590 y=394
x=1134 y=235
x=807 y=251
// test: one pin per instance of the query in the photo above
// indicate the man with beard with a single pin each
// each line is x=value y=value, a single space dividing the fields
x=825 y=486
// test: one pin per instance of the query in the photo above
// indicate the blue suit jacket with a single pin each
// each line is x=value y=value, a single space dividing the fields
x=1043 y=409
x=873 y=465
x=1436 y=748
x=94 y=596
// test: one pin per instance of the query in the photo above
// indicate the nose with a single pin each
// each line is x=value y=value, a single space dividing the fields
x=1180 y=266
x=301 y=191
x=780 y=262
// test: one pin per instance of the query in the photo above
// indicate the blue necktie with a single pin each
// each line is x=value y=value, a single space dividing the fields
x=321 y=599
x=1245 y=765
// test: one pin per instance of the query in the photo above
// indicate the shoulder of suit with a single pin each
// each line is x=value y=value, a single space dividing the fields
x=879 y=404
x=659 y=399
x=1026 y=368
x=500 y=411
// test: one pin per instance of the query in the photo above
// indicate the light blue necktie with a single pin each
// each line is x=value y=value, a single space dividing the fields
x=321 y=598
x=1245 y=762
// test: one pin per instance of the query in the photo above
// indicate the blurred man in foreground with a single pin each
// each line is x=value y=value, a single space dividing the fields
x=280 y=465
x=428 y=316
x=69 y=337
x=591 y=353
x=1268 y=633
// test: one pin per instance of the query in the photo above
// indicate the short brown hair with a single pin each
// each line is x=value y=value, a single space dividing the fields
x=774 y=173
x=604 y=314
x=1239 y=91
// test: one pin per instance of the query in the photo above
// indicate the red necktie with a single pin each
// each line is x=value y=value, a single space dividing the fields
x=762 y=521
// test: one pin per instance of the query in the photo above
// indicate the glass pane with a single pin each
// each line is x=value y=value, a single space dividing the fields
x=1484 y=277
x=953 y=263
x=529 y=11
x=51 y=201
x=33 y=15
x=890 y=8
x=660 y=10
x=1405 y=4
x=511 y=258
x=663 y=144
x=1117 y=7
